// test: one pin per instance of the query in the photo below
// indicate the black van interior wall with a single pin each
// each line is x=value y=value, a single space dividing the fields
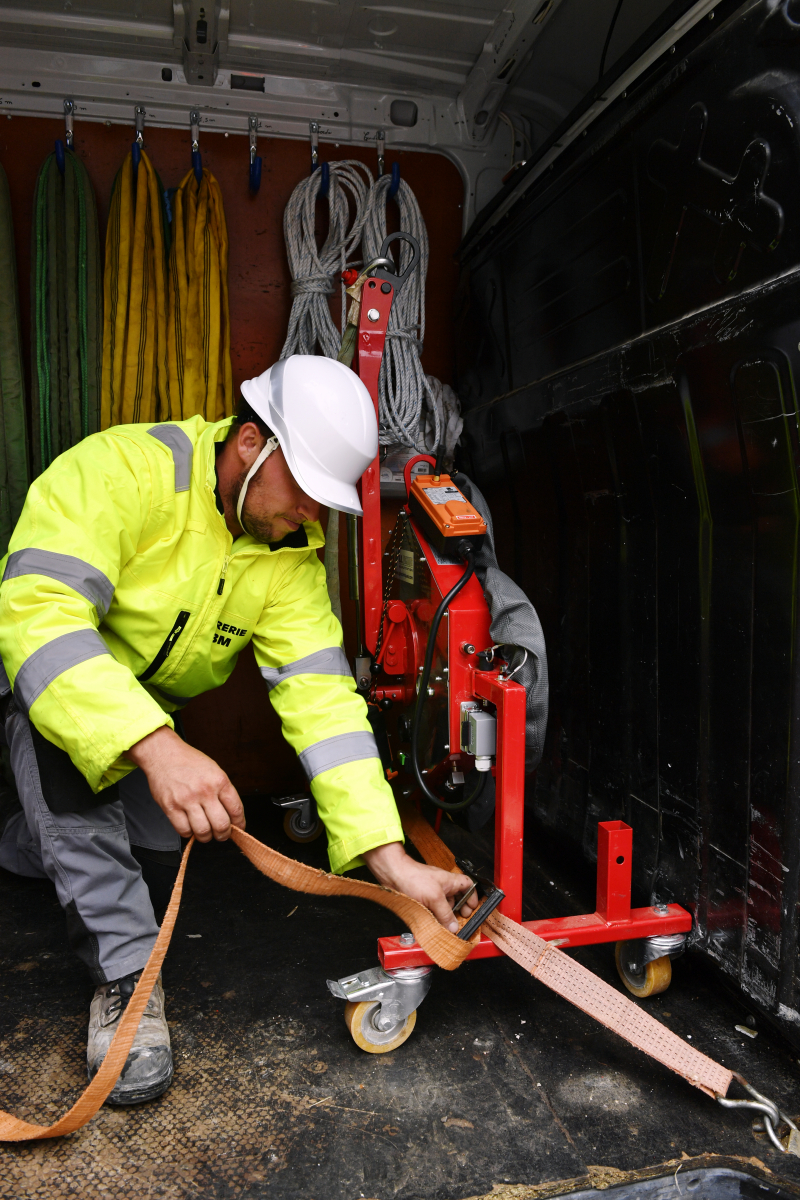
x=628 y=346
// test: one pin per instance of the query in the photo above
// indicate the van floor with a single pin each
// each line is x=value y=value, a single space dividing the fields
x=502 y=1082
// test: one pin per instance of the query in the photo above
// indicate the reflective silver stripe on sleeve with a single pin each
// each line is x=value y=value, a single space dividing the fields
x=53 y=659
x=336 y=751
x=182 y=452
x=81 y=576
x=321 y=662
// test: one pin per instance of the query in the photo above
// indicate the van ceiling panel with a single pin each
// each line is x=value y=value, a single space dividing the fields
x=338 y=62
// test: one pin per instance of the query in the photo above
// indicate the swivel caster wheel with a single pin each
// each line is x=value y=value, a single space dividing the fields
x=360 y=1020
x=649 y=980
x=297 y=827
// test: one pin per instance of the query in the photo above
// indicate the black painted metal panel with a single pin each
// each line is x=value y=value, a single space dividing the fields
x=628 y=354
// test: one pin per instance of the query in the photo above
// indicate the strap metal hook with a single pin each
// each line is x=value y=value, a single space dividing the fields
x=773 y=1117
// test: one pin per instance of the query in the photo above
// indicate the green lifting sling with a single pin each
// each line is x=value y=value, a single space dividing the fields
x=14 y=476
x=67 y=310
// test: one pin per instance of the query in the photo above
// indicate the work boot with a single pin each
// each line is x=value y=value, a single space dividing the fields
x=148 y=1069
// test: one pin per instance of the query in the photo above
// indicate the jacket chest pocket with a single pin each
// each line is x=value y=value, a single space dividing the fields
x=167 y=647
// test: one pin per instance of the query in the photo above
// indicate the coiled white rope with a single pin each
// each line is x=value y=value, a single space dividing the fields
x=404 y=386
x=315 y=271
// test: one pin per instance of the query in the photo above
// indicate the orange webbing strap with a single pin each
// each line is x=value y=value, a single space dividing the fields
x=444 y=948
x=12 y=1129
x=575 y=983
x=425 y=838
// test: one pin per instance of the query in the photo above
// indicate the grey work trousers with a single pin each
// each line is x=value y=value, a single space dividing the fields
x=87 y=854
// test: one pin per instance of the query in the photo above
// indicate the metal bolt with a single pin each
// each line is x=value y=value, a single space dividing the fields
x=406 y=939
x=662 y=910
x=431 y=691
x=373 y=314
x=468 y=648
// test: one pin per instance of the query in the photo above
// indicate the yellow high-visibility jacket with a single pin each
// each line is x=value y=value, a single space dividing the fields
x=123 y=595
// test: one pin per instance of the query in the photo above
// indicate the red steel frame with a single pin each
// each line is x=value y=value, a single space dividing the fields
x=369 y=353
x=468 y=623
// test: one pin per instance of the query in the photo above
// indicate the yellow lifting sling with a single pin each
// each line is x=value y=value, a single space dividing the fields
x=199 y=318
x=135 y=375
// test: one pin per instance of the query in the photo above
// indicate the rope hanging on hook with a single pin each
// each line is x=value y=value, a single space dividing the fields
x=315 y=271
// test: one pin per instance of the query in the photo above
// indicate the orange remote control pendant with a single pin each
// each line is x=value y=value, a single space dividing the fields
x=443 y=513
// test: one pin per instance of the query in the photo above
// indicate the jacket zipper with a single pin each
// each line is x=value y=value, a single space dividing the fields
x=167 y=648
x=224 y=573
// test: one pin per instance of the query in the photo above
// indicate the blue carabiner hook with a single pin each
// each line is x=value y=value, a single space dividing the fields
x=197 y=166
x=60 y=153
x=255 y=175
x=325 y=179
x=394 y=186
x=136 y=158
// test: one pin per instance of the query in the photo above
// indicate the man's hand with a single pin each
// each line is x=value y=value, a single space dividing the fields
x=433 y=887
x=196 y=794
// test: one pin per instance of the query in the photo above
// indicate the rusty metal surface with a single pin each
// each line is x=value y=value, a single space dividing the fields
x=501 y=1083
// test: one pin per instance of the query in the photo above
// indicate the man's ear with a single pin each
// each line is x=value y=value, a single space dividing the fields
x=249 y=442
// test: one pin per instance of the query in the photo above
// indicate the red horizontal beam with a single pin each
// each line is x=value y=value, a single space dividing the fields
x=589 y=929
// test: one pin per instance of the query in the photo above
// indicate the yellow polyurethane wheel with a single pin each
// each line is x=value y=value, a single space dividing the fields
x=294 y=833
x=656 y=976
x=358 y=1019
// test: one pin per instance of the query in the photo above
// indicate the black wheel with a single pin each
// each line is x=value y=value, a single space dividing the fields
x=296 y=831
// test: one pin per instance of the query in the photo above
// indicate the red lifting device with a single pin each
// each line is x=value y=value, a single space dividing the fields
x=468 y=631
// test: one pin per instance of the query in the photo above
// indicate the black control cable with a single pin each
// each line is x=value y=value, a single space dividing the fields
x=607 y=42
x=463 y=550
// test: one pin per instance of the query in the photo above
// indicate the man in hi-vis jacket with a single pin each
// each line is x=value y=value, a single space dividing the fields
x=145 y=559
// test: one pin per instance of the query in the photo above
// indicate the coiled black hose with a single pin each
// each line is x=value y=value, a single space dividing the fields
x=464 y=550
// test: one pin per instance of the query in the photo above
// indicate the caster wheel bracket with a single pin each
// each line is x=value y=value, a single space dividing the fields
x=399 y=992
x=641 y=951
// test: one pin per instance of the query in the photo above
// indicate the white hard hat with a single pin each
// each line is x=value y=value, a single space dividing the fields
x=324 y=419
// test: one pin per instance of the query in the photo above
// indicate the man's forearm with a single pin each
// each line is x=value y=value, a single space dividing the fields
x=145 y=753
